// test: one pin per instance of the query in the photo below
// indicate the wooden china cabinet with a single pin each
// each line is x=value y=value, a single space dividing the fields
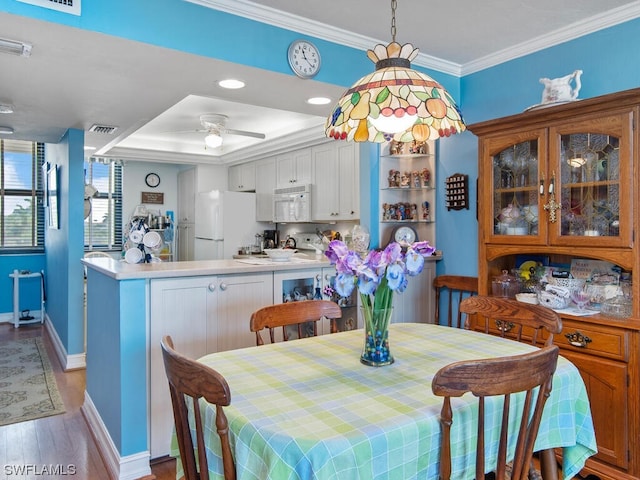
x=561 y=182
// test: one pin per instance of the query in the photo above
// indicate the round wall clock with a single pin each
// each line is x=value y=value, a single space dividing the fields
x=404 y=235
x=304 y=58
x=152 y=180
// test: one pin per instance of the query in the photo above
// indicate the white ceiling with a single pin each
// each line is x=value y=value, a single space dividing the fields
x=149 y=93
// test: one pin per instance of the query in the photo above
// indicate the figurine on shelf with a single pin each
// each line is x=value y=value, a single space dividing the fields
x=396 y=174
x=392 y=178
x=385 y=211
x=415 y=179
x=400 y=212
x=426 y=213
x=405 y=179
x=391 y=212
x=425 y=176
x=395 y=148
x=414 y=211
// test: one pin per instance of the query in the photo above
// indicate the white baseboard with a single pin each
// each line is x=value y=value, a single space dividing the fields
x=6 y=317
x=69 y=362
x=130 y=467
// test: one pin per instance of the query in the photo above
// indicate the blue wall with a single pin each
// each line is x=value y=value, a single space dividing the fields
x=65 y=245
x=610 y=60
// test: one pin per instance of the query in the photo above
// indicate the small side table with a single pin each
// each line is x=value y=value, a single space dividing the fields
x=17 y=275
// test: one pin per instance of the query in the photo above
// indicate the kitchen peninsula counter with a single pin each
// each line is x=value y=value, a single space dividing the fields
x=120 y=270
x=205 y=306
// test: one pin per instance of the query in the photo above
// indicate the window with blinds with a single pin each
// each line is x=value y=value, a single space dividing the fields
x=103 y=214
x=21 y=196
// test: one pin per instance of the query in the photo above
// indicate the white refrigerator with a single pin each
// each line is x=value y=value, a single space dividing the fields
x=224 y=222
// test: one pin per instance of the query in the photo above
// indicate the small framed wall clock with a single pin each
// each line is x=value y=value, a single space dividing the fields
x=304 y=58
x=152 y=180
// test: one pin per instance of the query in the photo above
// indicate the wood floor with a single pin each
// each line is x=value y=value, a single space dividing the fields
x=61 y=439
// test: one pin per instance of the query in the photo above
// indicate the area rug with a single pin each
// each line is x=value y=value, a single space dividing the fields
x=28 y=387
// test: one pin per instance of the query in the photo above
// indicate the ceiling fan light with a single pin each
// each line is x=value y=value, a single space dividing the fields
x=213 y=140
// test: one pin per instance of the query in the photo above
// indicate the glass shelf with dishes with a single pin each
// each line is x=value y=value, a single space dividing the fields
x=407 y=189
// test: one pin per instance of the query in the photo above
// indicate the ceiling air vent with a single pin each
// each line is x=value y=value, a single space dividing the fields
x=67 y=6
x=108 y=129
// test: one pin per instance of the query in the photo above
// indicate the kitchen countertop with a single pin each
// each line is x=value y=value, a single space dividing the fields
x=121 y=270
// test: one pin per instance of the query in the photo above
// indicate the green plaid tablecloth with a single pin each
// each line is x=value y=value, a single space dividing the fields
x=308 y=409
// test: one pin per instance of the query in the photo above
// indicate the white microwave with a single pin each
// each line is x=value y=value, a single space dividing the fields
x=292 y=204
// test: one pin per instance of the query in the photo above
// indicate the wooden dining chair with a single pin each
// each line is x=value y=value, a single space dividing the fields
x=456 y=288
x=299 y=314
x=512 y=319
x=498 y=377
x=191 y=379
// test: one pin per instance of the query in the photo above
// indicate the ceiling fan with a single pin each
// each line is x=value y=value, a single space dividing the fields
x=214 y=124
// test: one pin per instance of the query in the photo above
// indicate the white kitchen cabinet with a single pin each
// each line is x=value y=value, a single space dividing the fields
x=336 y=189
x=242 y=178
x=238 y=297
x=203 y=315
x=184 y=308
x=265 y=184
x=293 y=168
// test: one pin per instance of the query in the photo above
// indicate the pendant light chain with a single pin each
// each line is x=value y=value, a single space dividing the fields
x=394 y=3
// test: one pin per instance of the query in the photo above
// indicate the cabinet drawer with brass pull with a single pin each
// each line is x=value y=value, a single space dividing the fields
x=598 y=340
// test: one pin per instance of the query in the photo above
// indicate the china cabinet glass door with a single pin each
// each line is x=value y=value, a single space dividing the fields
x=592 y=163
x=516 y=175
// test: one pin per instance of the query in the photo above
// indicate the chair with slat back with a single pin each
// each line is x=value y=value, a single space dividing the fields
x=188 y=378
x=456 y=287
x=498 y=377
x=297 y=314
x=515 y=320
x=510 y=318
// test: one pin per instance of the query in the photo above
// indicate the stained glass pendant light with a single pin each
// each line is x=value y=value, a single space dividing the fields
x=395 y=102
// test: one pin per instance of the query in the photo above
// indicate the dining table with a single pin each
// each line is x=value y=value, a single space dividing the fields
x=309 y=409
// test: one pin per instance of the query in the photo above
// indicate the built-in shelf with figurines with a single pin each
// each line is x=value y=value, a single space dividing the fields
x=407 y=189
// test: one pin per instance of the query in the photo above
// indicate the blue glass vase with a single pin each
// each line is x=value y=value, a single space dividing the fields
x=376 y=352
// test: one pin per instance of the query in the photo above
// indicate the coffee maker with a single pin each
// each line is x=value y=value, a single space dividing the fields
x=270 y=238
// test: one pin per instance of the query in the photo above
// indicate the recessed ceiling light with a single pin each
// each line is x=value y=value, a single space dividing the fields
x=6 y=131
x=87 y=147
x=319 y=100
x=6 y=108
x=231 y=83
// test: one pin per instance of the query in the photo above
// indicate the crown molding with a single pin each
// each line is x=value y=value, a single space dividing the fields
x=570 y=32
x=278 y=18
x=288 y=21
